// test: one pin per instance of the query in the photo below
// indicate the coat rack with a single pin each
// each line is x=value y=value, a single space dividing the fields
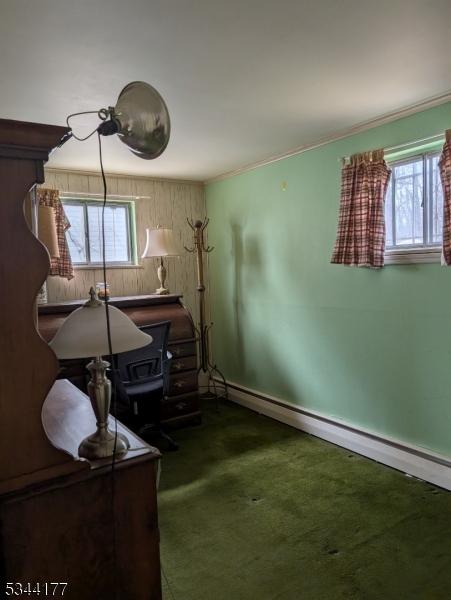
x=203 y=331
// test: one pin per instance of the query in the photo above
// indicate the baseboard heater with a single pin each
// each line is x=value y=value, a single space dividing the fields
x=412 y=460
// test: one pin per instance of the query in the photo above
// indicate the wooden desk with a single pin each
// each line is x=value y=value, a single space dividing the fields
x=182 y=402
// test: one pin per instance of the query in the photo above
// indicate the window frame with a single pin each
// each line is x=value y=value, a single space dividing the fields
x=131 y=231
x=416 y=253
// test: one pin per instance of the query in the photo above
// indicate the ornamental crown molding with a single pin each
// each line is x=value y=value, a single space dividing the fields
x=344 y=133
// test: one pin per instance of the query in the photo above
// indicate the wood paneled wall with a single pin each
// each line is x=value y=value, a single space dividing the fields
x=165 y=203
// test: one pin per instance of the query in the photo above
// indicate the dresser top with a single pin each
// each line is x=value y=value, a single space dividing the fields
x=67 y=417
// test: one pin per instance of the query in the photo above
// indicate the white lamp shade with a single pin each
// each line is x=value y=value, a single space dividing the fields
x=160 y=242
x=84 y=333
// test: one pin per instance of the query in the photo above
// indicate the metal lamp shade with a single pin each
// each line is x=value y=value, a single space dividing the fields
x=84 y=333
x=142 y=118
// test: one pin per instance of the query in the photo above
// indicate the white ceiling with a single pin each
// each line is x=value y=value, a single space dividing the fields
x=243 y=80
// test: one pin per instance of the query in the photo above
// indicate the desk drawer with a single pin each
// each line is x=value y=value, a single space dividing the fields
x=181 y=406
x=182 y=383
x=182 y=349
x=187 y=363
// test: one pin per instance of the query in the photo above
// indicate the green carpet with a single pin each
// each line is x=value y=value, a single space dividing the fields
x=251 y=509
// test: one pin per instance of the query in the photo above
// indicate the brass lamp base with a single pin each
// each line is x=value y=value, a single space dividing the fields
x=101 y=444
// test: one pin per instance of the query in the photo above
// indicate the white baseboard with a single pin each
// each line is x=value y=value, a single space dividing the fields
x=413 y=460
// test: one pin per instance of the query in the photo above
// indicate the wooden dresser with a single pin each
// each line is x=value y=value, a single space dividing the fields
x=62 y=519
x=72 y=528
x=182 y=403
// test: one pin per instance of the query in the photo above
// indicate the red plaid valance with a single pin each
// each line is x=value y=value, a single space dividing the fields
x=361 y=224
x=445 y=174
x=61 y=266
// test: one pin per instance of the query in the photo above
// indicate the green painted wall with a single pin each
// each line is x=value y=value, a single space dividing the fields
x=370 y=347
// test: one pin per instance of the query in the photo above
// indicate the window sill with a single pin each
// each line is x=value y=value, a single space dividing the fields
x=108 y=267
x=413 y=256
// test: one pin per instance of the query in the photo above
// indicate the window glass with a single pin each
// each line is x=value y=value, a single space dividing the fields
x=75 y=235
x=116 y=233
x=84 y=236
x=414 y=203
x=408 y=197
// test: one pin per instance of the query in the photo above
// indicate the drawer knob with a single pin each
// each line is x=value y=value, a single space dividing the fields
x=181 y=405
x=178 y=365
x=179 y=384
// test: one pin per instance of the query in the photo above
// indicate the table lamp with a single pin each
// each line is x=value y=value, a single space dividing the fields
x=160 y=242
x=84 y=335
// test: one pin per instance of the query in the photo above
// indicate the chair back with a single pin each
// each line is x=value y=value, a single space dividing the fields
x=147 y=363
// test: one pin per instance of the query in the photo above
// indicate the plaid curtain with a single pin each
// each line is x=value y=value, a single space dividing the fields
x=61 y=266
x=361 y=223
x=445 y=175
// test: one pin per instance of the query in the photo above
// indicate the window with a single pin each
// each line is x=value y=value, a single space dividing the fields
x=414 y=210
x=84 y=236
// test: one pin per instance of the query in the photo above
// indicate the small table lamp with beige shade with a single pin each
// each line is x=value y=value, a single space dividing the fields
x=84 y=334
x=160 y=243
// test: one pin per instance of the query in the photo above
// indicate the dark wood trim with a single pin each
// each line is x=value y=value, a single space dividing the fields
x=118 y=301
x=23 y=153
x=28 y=366
x=31 y=138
